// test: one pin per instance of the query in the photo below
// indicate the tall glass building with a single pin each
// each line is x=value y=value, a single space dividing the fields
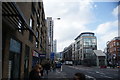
x=86 y=42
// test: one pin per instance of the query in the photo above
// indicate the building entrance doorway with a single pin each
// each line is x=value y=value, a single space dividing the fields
x=14 y=65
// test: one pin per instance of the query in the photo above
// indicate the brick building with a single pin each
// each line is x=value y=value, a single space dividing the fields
x=24 y=37
x=113 y=50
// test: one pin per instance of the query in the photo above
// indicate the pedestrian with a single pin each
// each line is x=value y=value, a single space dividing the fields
x=54 y=66
x=47 y=67
x=35 y=74
x=79 y=76
x=110 y=64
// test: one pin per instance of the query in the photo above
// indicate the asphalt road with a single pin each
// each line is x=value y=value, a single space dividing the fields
x=92 y=73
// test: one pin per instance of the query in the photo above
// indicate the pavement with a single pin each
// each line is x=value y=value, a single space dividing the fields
x=58 y=73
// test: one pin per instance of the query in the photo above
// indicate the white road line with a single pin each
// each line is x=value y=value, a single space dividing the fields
x=61 y=68
x=90 y=77
x=57 y=71
x=103 y=74
x=97 y=72
x=106 y=76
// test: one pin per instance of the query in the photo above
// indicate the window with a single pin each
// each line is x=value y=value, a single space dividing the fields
x=38 y=13
x=78 y=44
x=114 y=44
x=115 y=49
x=88 y=35
x=30 y=23
x=84 y=55
x=36 y=44
x=26 y=60
x=33 y=8
x=118 y=49
x=37 y=34
x=19 y=26
x=50 y=23
x=15 y=46
x=30 y=37
x=117 y=43
x=87 y=50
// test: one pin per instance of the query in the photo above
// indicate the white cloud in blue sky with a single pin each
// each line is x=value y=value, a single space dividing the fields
x=82 y=16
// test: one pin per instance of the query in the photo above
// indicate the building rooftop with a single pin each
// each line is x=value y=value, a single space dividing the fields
x=83 y=33
x=115 y=38
x=99 y=53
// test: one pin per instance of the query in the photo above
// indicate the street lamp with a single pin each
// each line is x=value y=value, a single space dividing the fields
x=58 y=18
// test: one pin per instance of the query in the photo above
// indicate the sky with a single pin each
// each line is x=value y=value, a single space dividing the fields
x=80 y=16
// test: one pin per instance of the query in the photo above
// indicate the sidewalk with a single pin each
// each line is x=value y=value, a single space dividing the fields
x=55 y=74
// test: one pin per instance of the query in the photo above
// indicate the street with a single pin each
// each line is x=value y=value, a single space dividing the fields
x=59 y=39
x=91 y=73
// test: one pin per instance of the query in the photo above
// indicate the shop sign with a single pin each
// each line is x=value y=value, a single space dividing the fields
x=35 y=54
x=42 y=55
x=15 y=46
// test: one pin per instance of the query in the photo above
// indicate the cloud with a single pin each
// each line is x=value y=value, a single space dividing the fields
x=116 y=11
x=106 y=32
x=105 y=38
x=106 y=27
x=64 y=44
x=74 y=16
x=74 y=19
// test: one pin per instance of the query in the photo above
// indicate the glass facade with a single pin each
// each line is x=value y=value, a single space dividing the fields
x=89 y=42
x=87 y=35
x=15 y=46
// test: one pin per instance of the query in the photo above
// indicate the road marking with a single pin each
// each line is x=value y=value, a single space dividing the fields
x=61 y=68
x=103 y=74
x=90 y=77
x=97 y=72
x=106 y=76
x=100 y=73
x=57 y=71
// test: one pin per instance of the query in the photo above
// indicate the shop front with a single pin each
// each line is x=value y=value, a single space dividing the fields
x=35 y=58
x=14 y=59
x=42 y=57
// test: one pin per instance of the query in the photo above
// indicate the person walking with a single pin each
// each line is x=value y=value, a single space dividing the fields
x=35 y=74
x=47 y=67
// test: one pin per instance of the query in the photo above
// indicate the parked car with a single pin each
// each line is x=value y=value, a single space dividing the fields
x=69 y=63
x=58 y=65
x=103 y=66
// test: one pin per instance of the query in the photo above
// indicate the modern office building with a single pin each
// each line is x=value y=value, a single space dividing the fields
x=113 y=50
x=24 y=38
x=85 y=44
x=49 y=22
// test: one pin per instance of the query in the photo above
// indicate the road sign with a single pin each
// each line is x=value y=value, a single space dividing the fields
x=52 y=55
